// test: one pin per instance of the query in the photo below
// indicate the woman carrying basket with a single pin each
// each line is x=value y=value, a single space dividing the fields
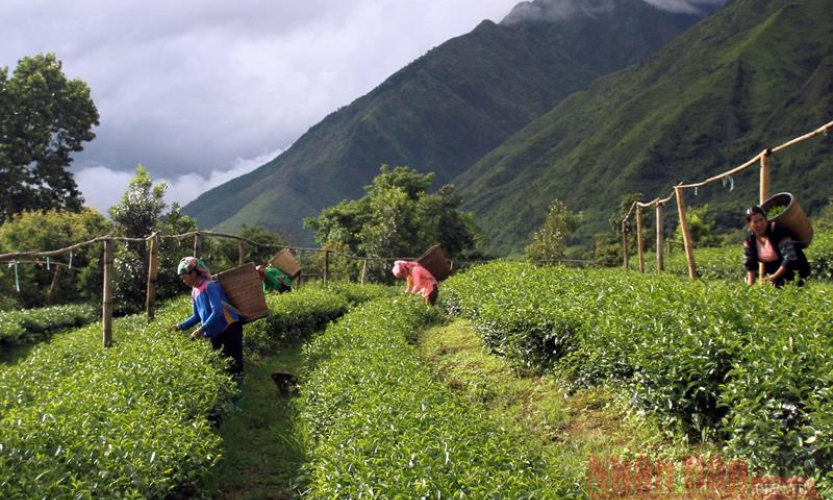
x=775 y=248
x=218 y=322
x=420 y=280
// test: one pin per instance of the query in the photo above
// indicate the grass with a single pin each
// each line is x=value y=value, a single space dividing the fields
x=263 y=450
x=565 y=428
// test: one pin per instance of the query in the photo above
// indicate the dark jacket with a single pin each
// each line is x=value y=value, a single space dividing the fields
x=791 y=256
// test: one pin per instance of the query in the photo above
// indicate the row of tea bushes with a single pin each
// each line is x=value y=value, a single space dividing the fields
x=381 y=426
x=28 y=325
x=297 y=314
x=132 y=421
x=750 y=366
x=79 y=421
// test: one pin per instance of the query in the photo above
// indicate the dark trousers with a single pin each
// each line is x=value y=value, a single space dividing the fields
x=432 y=297
x=231 y=343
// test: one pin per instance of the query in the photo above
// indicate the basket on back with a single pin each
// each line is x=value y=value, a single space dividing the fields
x=285 y=261
x=434 y=260
x=792 y=218
x=245 y=291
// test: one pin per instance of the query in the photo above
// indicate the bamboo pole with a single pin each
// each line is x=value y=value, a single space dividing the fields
x=639 y=243
x=53 y=288
x=689 y=251
x=326 y=266
x=764 y=194
x=153 y=273
x=660 y=242
x=107 y=301
x=364 y=272
x=197 y=245
x=625 y=244
x=241 y=252
x=765 y=176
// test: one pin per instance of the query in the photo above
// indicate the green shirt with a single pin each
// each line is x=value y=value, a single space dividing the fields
x=275 y=279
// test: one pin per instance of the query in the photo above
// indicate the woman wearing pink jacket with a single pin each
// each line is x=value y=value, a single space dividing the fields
x=420 y=280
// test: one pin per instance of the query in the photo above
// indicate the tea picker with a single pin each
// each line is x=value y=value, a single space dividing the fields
x=274 y=279
x=219 y=322
x=777 y=242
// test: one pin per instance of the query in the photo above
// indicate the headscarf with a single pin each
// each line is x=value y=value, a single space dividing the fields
x=756 y=209
x=402 y=268
x=187 y=264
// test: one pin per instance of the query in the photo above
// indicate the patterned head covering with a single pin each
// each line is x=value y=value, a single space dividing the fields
x=402 y=268
x=189 y=263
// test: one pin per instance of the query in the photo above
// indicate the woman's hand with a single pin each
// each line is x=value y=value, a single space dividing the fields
x=175 y=327
x=196 y=334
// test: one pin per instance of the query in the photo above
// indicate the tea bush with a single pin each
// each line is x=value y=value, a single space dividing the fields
x=381 y=426
x=79 y=421
x=132 y=421
x=750 y=366
x=29 y=325
x=297 y=314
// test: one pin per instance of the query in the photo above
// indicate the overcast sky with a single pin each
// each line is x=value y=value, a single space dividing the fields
x=204 y=91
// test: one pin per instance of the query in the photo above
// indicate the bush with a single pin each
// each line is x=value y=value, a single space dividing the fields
x=381 y=426
x=750 y=366
x=30 y=325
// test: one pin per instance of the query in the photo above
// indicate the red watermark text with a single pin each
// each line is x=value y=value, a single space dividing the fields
x=693 y=478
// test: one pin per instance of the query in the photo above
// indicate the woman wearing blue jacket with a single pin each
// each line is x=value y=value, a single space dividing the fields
x=218 y=322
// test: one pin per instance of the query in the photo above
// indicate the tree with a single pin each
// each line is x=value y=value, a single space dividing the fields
x=136 y=216
x=548 y=241
x=700 y=227
x=397 y=217
x=50 y=230
x=607 y=247
x=44 y=118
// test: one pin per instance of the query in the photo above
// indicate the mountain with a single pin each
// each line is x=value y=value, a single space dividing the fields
x=752 y=75
x=444 y=111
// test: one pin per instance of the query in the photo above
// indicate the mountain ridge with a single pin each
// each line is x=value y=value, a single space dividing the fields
x=440 y=113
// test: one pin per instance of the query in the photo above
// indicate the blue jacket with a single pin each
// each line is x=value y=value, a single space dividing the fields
x=209 y=310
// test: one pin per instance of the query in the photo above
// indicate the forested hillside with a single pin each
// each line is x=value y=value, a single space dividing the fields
x=752 y=75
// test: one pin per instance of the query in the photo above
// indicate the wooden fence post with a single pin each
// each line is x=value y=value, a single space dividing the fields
x=639 y=243
x=197 y=245
x=689 y=250
x=241 y=252
x=326 y=266
x=625 y=244
x=660 y=242
x=364 y=272
x=56 y=276
x=153 y=273
x=764 y=194
x=107 y=305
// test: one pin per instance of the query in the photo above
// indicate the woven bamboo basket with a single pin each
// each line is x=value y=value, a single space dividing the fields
x=285 y=261
x=245 y=291
x=434 y=260
x=793 y=218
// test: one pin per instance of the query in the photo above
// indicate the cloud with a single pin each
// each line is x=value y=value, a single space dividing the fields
x=557 y=10
x=686 y=6
x=103 y=187
x=189 y=86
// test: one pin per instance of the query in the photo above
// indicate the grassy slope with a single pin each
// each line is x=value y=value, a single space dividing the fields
x=565 y=428
x=262 y=448
x=752 y=75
